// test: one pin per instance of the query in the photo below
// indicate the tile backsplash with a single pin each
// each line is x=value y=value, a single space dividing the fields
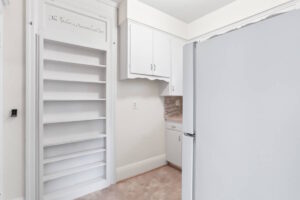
x=173 y=106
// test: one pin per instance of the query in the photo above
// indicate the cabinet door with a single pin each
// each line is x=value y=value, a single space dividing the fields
x=161 y=54
x=173 y=139
x=140 y=47
x=177 y=68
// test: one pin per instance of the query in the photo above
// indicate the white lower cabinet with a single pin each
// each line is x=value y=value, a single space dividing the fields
x=174 y=145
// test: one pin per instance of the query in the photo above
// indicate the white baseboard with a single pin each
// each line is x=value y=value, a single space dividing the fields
x=19 y=198
x=140 y=167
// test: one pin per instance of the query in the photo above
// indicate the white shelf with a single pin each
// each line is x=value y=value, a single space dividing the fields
x=70 y=140
x=73 y=126
x=74 y=81
x=73 y=99
x=69 y=41
x=73 y=155
x=60 y=194
x=71 y=171
x=70 y=120
x=49 y=59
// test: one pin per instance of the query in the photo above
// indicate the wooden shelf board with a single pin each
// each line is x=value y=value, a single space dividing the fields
x=74 y=81
x=70 y=120
x=71 y=171
x=58 y=60
x=73 y=155
x=70 y=140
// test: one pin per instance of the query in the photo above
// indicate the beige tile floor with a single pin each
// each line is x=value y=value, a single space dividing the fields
x=160 y=184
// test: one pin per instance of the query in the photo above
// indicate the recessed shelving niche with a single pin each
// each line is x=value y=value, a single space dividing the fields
x=73 y=122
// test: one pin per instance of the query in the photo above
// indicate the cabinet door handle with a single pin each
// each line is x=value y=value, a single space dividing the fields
x=179 y=138
x=173 y=88
x=151 y=67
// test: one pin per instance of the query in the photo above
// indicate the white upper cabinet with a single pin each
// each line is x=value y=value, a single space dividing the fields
x=145 y=52
x=177 y=68
x=174 y=87
x=140 y=49
x=161 y=54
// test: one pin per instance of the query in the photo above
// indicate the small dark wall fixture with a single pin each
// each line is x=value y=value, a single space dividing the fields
x=14 y=113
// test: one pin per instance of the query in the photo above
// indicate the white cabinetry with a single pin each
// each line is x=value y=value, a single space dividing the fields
x=72 y=88
x=177 y=68
x=145 y=52
x=161 y=54
x=174 y=87
x=140 y=50
x=174 y=143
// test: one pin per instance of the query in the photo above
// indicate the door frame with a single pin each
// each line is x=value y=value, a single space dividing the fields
x=1 y=103
x=31 y=153
x=3 y=3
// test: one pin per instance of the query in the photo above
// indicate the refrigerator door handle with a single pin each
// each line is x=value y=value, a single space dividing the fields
x=190 y=135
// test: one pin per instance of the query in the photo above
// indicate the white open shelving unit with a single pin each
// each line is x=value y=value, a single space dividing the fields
x=72 y=118
x=70 y=97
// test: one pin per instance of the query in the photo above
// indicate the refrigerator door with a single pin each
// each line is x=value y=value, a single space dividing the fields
x=188 y=87
x=187 y=167
x=248 y=113
x=188 y=122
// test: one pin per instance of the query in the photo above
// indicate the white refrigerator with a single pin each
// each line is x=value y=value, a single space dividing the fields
x=241 y=113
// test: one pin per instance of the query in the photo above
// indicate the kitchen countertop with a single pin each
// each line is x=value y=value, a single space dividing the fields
x=176 y=118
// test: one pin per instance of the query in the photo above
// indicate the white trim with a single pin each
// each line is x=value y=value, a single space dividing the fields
x=140 y=167
x=19 y=198
x=285 y=7
x=1 y=106
x=109 y=3
x=31 y=113
x=114 y=80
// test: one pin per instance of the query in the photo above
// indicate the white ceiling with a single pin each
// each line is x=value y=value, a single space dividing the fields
x=186 y=10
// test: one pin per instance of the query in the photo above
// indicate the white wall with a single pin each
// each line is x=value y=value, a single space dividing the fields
x=140 y=137
x=1 y=102
x=140 y=12
x=140 y=143
x=14 y=97
x=231 y=13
